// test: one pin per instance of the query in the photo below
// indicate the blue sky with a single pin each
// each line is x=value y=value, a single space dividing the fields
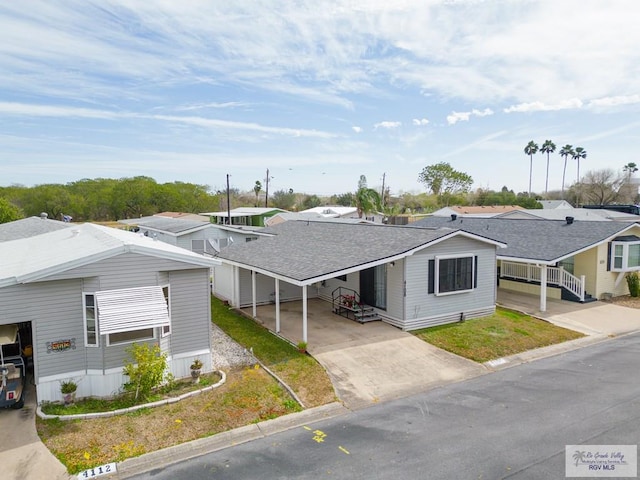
x=317 y=92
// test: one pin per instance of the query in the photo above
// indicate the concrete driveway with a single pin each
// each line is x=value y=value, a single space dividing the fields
x=595 y=318
x=22 y=454
x=372 y=362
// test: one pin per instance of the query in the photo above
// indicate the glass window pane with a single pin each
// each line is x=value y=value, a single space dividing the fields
x=133 y=336
x=634 y=256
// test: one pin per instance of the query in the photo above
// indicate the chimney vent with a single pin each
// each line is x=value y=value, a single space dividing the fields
x=569 y=220
x=453 y=217
x=44 y=215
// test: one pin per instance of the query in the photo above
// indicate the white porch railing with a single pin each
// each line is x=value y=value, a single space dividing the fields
x=555 y=276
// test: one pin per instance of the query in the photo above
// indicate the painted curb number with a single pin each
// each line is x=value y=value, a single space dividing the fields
x=98 y=471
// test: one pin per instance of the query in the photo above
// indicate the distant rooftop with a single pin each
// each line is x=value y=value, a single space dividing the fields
x=30 y=227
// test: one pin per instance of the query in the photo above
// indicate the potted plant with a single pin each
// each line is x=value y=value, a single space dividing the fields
x=68 y=389
x=302 y=347
x=196 y=370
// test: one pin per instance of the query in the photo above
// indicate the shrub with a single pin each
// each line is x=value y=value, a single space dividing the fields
x=146 y=371
x=68 y=386
x=633 y=282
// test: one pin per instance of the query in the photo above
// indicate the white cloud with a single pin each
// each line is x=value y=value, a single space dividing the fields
x=357 y=129
x=212 y=105
x=387 y=124
x=420 y=121
x=614 y=101
x=542 y=107
x=456 y=117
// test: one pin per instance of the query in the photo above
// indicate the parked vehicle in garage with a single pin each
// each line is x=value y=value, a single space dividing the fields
x=12 y=368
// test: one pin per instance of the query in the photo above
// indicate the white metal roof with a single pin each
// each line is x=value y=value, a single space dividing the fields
x=243 y=212
x=31 y=259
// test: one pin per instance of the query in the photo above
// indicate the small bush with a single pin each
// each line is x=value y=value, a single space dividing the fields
x=146 y=371
x=633 y=282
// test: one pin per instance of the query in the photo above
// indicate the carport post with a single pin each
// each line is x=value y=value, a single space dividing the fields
x=253 y=293
x=304 y=313
x=277 y=305
x=543 y=288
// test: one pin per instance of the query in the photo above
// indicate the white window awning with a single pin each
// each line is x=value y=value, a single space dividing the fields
x=131 y=309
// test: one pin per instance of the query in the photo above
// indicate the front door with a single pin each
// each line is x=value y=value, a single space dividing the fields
x=373 y=286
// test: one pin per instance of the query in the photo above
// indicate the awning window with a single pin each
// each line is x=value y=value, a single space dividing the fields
x=131 y=309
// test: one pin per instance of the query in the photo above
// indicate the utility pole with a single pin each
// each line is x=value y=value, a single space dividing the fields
x=382 y=196
x=228 y=203
x=266 y=197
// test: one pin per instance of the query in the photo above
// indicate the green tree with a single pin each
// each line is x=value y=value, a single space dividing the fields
x=630 y=168
x=367 y=199
x=8 y=211
x=565 y=152
x=531 y=149
x=444 y=181
x=257 y=188
x=344 y=199
x=548 y=147
x=283 y=199
x=311 y=201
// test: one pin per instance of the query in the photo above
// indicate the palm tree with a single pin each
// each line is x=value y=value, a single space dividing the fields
x=630 y=168
x=256 y=189
x=530 y=150
x=548 y=147
x=367 y=199
x=577 y=155
x=566 y=152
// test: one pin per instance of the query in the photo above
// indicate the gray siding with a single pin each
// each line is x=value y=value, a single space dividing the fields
x=190 y=311
x=266 y=288
x=395 y=289
x=424 y=309
x=126 y=271
x=56 y=309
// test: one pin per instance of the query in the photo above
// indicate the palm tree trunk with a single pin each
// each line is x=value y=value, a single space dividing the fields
x=530 y=173
x=546 y=181
x=564 y=171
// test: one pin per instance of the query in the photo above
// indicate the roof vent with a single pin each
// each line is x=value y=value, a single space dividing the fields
x=44 y=215
x=569 y=220
x=453 y=217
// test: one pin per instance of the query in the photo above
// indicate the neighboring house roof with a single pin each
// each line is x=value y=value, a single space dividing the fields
x=183 y=216
x=543 y=241
x=244 y=212
x=475 y=210
x=35 y=258
x=332 y=211
x=554 y=204
x=29 y=227
x=171 y=226
x=584 y=214
x=310 y=216
x=305 y=252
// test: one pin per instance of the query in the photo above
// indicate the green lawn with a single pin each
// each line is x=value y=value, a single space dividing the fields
x=504 y=333
x=300 y=371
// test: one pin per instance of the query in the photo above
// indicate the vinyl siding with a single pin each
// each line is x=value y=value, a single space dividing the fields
x=424 y=309
x=190 y=311
x=395 y=289
x=223 y=281
x=56 y=310
x=265 y=289
x=586 y=263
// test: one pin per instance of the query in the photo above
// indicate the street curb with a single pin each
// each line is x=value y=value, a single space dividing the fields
x=544 y=352
x=184 y=451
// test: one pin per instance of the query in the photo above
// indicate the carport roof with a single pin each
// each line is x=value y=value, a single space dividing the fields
x=307 y=251
x=546 y=241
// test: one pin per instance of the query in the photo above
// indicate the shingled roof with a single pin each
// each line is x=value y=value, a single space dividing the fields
x=547 y=241
x=306 y=251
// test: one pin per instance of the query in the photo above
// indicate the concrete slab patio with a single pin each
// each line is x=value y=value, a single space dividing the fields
x=370 y=362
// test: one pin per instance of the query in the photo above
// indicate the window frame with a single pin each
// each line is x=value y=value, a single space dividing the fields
x=165 y=330
x=438 y=258
x=623 y=257
x=95 y=320
x=153 y=336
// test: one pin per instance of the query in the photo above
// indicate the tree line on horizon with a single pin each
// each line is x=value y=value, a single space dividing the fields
x=104 y=199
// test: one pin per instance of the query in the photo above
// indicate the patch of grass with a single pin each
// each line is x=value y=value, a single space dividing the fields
x=250 y=395
x=92 y=405
x=298 y=370
x=504 y=333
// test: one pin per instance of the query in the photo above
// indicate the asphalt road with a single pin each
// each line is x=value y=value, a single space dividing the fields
x=510 y=424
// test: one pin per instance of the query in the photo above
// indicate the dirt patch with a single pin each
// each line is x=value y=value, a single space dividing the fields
x=625 y=301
